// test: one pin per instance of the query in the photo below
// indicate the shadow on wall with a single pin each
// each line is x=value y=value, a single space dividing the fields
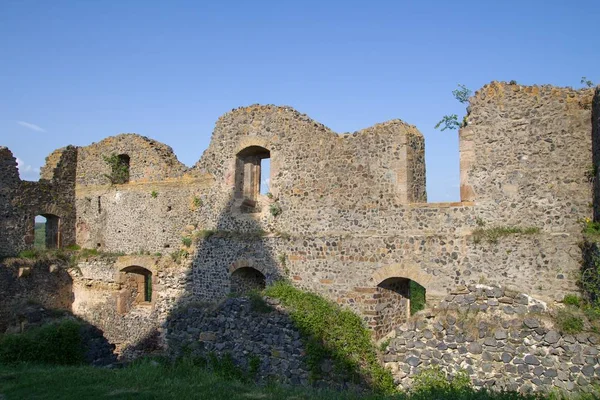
x=27 y=282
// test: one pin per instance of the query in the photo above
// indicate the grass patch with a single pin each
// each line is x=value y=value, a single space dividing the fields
x=332 y=332
x=569 y=320
x=491 y=235
x=157 y=379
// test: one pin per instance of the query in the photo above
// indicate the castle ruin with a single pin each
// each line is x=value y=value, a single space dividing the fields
x=346 y=217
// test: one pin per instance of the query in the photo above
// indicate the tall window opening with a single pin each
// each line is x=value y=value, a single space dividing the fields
x=46 y=232
x=252 y=176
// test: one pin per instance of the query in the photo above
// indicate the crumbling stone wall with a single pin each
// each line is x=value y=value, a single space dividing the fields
x=21 y=201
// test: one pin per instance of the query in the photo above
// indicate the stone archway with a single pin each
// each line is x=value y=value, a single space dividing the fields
x=396 y=286
x=246 y=277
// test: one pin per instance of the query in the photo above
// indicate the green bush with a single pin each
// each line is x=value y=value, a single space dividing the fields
x=119 y=168
x=187 y=241
x=275 y=209
x=569 y=321
x=434 y=380
x=330 y=331
x=56 y=343
x=572 y=299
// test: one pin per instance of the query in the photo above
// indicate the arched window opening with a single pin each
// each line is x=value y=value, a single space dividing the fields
x=396 y=300
x=46 y=232
x=135 y=288
x=252 y=176
x=247 y=279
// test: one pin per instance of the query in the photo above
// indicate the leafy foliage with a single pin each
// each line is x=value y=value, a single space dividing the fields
x=433 y=380
x=462 y=94
x=585 y=81
x=56 y=343
x=275 y=209
x=448 y=122
x=569 y=322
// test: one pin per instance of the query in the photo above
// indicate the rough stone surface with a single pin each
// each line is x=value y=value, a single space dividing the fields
x=508 y=354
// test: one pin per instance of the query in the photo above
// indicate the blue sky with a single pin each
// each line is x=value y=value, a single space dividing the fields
x=74 y=72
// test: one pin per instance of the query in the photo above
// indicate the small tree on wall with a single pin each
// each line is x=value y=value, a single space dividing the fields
x=461 y=94
x=119 y=168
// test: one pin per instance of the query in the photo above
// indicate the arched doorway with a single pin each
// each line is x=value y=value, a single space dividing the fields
x=246 y=279
x=397 y=298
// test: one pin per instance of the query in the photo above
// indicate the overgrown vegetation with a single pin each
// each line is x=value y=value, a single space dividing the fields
x=119 y=168
x=461 y=94
x=197 y=202
x=582 y=313
x=275 y=209
x=58 y=343
x=332 y=332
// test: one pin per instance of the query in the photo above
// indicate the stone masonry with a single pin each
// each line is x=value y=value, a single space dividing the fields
x=347 y=214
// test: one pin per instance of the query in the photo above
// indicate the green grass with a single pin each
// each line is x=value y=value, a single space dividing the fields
x=147 y=380
x=40 y=236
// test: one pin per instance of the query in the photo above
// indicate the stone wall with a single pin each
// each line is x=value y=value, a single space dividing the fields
x=503 y=339
x=24 y=282
x=526 y=154
x=53 y=197
x=594 y=169
x=345 y=212
x=98 y=287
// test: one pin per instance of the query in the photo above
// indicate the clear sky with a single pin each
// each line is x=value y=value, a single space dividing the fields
x=74 y=72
